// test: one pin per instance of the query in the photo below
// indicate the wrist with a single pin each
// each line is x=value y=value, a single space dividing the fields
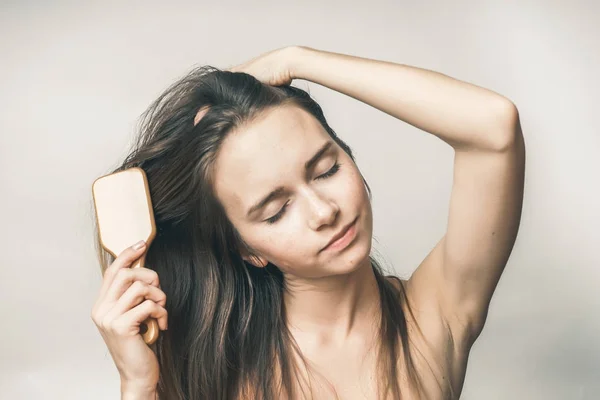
x=298 y=56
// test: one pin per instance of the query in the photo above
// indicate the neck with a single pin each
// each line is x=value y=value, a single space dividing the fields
x=336 y=308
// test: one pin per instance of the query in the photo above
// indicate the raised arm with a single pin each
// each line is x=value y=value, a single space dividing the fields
x=457 y=279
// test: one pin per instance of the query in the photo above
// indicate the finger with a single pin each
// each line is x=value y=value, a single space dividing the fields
x=125 y=278
x=123 y=260
x=136 y=294
x=128 y=324
x=237 y=68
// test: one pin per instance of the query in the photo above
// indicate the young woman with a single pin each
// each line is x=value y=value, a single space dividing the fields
x=264 y=237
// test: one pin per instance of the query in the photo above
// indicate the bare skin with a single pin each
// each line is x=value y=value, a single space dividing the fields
x=333 y=300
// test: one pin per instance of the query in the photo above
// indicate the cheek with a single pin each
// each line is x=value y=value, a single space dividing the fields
x=289 y=245
x=278 y=247
x=355 y=191
x=285 y=252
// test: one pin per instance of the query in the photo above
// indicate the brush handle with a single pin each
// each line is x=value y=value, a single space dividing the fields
x=150 y=335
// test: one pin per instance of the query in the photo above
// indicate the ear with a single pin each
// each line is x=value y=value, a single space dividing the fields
x=248 y=254
x=257 y=261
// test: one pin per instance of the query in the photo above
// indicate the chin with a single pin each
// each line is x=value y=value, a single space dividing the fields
x=361 y=252
x=353 y=257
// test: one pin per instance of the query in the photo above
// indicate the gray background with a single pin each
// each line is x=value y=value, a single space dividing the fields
x=75 y=76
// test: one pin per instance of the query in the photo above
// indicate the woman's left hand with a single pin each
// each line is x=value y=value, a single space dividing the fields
x=273 y=68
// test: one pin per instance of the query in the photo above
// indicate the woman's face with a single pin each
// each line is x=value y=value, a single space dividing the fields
x=309 y=202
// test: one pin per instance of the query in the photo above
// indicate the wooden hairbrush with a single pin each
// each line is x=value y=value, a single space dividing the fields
x=124 y=214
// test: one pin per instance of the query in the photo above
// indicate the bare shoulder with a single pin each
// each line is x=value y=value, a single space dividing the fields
x=438 y=349
x=436 y=320
x=424 y=320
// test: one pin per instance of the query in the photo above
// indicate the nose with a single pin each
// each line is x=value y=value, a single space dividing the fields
x=322 y=210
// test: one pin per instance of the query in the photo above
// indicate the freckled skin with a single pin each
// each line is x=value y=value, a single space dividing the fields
x=271 y=151
x=332 y=299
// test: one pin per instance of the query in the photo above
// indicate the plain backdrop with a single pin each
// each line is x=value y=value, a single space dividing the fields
x=74 y=78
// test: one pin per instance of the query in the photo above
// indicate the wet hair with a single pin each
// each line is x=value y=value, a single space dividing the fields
x=227 y=320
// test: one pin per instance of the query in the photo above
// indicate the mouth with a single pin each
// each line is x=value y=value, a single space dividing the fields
x=343 y=238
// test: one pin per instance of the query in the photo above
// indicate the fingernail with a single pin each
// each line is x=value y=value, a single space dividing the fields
x=139 y=245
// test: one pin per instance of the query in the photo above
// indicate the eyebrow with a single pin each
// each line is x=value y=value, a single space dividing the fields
x=277 y=192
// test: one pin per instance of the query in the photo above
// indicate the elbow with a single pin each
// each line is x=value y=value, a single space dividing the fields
x=509 y=133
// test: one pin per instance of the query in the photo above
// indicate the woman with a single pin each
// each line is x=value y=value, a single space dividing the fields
x=264 y=238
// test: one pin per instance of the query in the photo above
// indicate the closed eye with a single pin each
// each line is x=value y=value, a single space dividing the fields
x=331 y=172
x=276 y=217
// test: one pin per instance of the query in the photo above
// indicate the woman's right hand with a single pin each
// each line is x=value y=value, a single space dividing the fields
x=126 y=299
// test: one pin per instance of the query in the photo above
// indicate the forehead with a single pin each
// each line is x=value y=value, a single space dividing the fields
x=257 y=157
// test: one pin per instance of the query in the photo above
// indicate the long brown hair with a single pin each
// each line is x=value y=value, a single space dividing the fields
x=226 y=317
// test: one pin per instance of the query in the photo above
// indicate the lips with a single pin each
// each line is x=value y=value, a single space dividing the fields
x=341 y=233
